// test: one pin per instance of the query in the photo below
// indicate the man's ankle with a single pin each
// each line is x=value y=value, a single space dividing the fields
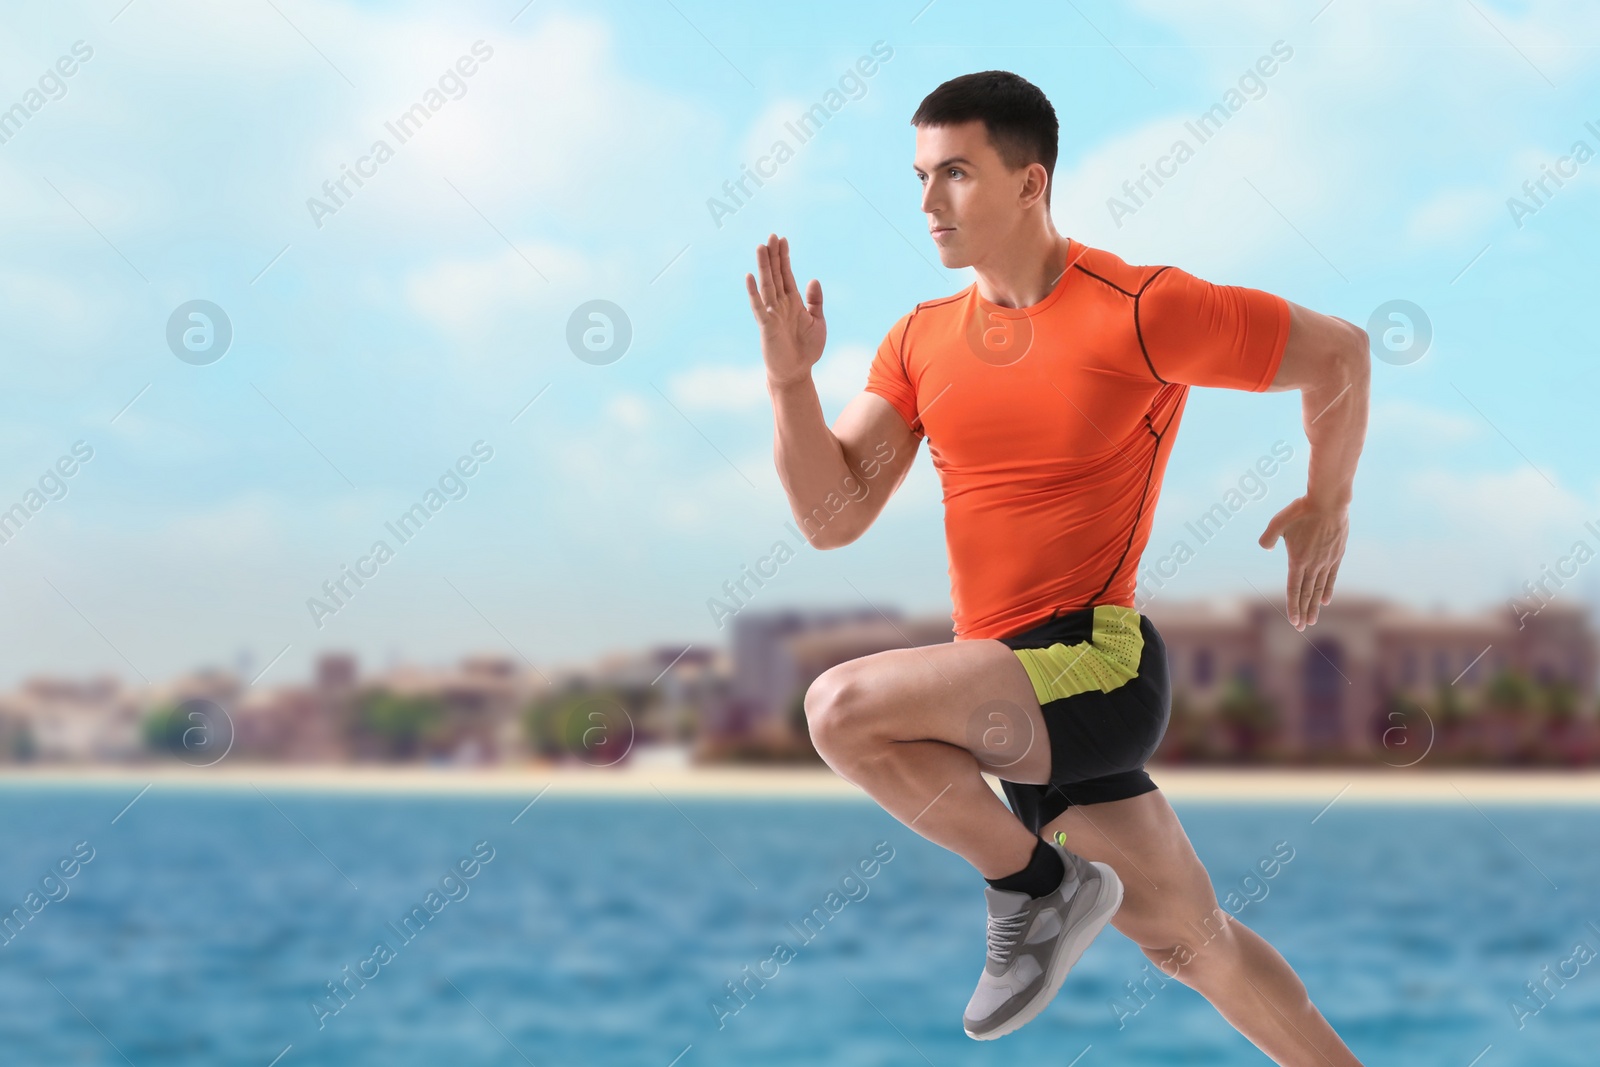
x=1042 y=874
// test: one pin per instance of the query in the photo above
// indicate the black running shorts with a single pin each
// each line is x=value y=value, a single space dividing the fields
x=1100 y=675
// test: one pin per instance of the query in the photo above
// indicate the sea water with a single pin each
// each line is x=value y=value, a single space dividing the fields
x=244 y=926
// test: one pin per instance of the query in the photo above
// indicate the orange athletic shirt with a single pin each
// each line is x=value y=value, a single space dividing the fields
x=1050 y=425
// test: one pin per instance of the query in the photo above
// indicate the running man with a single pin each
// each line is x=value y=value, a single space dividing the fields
x=1050 y=392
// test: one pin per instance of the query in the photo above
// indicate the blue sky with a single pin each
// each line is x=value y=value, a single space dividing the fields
x=575 y=163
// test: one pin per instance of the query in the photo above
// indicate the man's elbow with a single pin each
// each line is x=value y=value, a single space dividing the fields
x=1346 y=361
x=1360 y=348
x=832 y=536
x=1358 y=354
x=827 y=530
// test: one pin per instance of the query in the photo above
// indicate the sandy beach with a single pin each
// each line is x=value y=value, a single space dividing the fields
x=1222 y=784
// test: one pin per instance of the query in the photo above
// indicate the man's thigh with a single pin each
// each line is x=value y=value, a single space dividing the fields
x=973 y=694
x=1168 y=899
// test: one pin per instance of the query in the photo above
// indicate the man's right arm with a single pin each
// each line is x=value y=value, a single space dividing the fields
x=837 y=480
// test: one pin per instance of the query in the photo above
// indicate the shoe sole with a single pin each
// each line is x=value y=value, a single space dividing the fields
x=1105 y=906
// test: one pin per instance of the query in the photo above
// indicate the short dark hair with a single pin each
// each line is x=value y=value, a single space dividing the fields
x=1020 y=122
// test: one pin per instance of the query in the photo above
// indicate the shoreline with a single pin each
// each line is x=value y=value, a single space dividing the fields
x=1180 y=784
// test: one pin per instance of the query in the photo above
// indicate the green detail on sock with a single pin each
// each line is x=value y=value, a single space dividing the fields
x=1061 y=838
x=1110 y=658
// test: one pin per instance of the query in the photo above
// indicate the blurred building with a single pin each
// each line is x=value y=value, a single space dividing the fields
x=1325 y=689
x=666 y=692
x=1238 y=669
x=480 y=702
x=1329 y=684
x=776 y=655
x=298 y=723
x=71 y=720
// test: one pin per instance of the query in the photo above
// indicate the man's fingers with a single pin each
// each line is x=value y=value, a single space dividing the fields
x=1292 y=592
x=789 y=285
x=1308 y=581
x=1269 y=536
x=1327 y=590
x=757 y=306
x=814 y=297
x=780 y=290
x=1314 y=604
x=1312 y=592
x=764 y=266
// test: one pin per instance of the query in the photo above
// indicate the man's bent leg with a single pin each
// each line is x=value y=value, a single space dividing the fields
x=914 y=727
x=1170 y=910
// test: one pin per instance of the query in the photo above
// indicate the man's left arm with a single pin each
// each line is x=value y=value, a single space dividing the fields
x=1329 y=361
x=1196 y=332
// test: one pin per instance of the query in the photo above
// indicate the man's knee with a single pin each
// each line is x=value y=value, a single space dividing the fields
x=841 y=713
x=1189 y=948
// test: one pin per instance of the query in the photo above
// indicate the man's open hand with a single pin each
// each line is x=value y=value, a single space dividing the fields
x=792 y=331
x=1314 y=536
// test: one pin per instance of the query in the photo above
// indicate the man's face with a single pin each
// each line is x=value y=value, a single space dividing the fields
x=972 y=201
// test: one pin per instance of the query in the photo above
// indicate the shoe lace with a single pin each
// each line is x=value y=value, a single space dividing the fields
x=1005 y=933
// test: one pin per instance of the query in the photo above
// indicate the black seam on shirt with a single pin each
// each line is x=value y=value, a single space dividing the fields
x=1150 y=279
x=1143 y=496
x=1137 y=332
x=900 y=351
x=1173 y=417
x=1096 y=277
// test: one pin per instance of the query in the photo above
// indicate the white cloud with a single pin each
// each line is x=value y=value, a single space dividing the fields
x=1428 y=425
x=839 y=375
x=470 y=300
x=1206 y=216
x=1452 y=213
x=843 y=374
x=1299 y=147
x=721 y=387
x=768 y=127
x=1500 y=512
x=553 y=127
x=1542 y=32
x=630 y=410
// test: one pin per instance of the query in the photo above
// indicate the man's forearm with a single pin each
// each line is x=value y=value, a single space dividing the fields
x=811 y=461
x=1335 y=411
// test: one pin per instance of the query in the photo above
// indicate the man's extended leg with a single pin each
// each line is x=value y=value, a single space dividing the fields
x=1170 y=911
x=914 y=727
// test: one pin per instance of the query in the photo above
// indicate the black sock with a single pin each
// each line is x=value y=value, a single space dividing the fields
x=1042 y=874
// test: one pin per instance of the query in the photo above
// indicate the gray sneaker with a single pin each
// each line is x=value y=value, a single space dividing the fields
x=1033 y=943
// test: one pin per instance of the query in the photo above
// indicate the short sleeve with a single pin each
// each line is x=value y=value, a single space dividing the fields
x=1198 y=333
x=887 y=375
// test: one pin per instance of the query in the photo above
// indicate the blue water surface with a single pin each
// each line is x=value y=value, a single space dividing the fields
x=207 y=925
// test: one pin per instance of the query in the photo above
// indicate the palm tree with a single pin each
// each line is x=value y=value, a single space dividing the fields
x=1510 y=708
x=1249 y=718
x=595 y=726
x=402 y=726
x=1458 y=726
x=1189 y=736
x=1510 y=689
x=1560 y=734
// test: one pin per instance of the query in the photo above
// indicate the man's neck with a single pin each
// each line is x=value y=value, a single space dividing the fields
x=1028 y=277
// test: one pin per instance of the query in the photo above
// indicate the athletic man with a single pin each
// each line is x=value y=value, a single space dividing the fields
x=1050 y=392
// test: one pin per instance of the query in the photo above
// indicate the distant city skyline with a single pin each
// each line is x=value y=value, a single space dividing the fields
x=1375 y=678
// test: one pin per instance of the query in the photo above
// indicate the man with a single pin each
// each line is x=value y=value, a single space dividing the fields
x=1050 y=392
